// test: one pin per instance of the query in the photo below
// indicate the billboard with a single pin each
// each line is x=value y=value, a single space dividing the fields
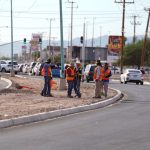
x=114 y=44
x=35 y=41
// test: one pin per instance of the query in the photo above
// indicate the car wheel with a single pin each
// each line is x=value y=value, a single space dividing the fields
x=3 y=70
x=121 y=81
x=137 y=83
x=141 y=83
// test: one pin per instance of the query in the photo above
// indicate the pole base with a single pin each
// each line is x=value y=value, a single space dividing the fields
x=62 y=84
x=12 y=73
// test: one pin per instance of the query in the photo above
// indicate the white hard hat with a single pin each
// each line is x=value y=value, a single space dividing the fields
x=78 y=62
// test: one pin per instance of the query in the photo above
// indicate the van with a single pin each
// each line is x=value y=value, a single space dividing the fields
x=89 y=71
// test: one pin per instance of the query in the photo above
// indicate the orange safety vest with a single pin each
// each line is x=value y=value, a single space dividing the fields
x=70 y=78
x=101 y=73
x=49 y=73
x=106 y=73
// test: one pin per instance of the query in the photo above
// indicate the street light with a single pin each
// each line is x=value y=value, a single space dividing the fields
x=62 y=80
x=50 y=22
x=12 y=70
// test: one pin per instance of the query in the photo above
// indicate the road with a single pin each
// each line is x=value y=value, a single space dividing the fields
x=122 y=126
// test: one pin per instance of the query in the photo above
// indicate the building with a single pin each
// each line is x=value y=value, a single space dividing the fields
x=91 y=53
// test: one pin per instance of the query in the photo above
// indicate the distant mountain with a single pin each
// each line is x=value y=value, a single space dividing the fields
x=5 y=49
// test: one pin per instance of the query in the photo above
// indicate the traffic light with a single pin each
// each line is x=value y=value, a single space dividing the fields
x=81 y=39
x=24 y=40
x=40 y=40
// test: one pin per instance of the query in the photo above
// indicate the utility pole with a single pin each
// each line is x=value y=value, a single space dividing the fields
x=62 y=79
x=93 y=32
x=72 y=7
x=124 y=2
x=134 y=23
x=100 y=36
x=50 y=23
x=12 y=47
x=145 y=40
x=83 y=46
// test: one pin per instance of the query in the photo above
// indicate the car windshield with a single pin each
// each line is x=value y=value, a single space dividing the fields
x=14 y=63
x=134 y=71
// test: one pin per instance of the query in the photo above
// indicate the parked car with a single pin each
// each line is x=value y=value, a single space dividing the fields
x=36 y=69
x=6 y=66
x=31 y=66
x=21 y=67
x=25 y=68
x=131 y=75
x=89 y=72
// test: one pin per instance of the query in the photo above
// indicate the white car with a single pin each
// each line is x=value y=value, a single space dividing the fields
x=25 y=68
x=36 y=69
x=131 y=75
x=6 y=66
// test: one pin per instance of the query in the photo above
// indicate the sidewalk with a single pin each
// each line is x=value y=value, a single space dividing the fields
x=25 y=106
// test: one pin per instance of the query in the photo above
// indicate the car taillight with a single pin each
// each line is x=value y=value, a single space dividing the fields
x=89 y=73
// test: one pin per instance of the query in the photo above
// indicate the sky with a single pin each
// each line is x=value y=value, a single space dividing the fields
x=33 y=16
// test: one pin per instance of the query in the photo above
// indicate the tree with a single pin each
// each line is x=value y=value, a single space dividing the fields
x=5 y=58
x=35 y=55
x=132 y=54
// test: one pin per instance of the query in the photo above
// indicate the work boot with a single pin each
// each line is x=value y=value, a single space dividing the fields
x=69 y=96
x=49 y=95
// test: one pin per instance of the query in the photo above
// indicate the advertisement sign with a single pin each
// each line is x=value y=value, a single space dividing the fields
x=114 y=44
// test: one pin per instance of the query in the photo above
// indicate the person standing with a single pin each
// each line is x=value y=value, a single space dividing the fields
x=107 y=74
x=78 y=74
x=98 y=76
x=70 y=79
x=47 y=73
x=77 y=78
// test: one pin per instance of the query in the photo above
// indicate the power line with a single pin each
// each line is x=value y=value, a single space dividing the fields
x=32 y=5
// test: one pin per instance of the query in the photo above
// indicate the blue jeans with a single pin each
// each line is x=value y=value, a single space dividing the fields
x=76 y=89
x=70 y=87
x=47 y=89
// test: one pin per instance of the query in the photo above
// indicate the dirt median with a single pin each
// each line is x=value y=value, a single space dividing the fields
x=16 y=102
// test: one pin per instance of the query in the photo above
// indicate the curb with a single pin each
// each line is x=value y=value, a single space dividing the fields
x=145 y=82
x=8 y=81
x=58 y=113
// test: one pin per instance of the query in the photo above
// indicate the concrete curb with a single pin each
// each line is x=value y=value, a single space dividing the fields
x=8 y=81
x=58 y=113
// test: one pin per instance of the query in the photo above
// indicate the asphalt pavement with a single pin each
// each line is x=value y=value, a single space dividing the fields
x=123 y=126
